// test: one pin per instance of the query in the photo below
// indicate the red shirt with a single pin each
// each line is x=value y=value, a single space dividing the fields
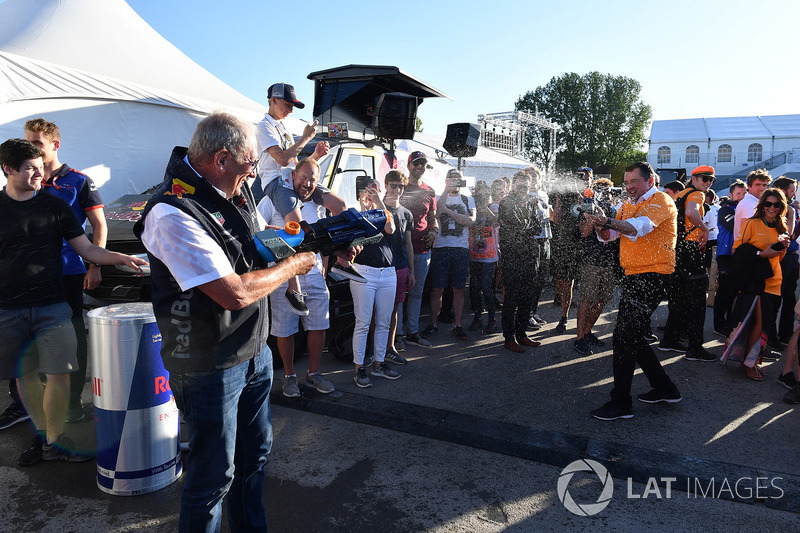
x=420 y=200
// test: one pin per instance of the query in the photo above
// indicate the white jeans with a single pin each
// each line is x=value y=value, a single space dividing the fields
x=378 y=294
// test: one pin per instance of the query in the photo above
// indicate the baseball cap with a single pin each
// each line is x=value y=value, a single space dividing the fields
x=416 y=156
x=286 y=92
x=703 y=170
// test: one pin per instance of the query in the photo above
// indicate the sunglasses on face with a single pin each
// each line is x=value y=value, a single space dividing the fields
x=395 y=185
x=420 y=163
x=706 y=179
x=767 y=205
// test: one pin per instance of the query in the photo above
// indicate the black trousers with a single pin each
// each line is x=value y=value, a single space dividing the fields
x=726 y=294
x=519 y=277
x=73 y=289
x=789 y=271
x=542 y=273
x=641 y=296
x=687 y=297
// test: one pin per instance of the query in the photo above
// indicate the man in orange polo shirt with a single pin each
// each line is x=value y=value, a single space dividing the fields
x=647 y=226
x=687 y=297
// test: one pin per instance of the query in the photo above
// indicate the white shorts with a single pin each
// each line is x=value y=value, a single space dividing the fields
x=284 y=323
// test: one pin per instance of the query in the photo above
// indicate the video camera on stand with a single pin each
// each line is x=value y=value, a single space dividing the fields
x=340 y=232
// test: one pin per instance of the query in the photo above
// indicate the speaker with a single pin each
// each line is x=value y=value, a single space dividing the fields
x=462 y=139
x=395 y=116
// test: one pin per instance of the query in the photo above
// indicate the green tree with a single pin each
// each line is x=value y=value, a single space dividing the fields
x=602 y=120
x=417 y=125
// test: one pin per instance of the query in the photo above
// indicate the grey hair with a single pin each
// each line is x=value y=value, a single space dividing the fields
x=221 y=130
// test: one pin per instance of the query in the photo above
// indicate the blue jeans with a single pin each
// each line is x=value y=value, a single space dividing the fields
x=414 y=299
x=228 y=418
x=481 y=278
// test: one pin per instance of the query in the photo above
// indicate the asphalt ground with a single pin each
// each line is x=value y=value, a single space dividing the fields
x=475 y=438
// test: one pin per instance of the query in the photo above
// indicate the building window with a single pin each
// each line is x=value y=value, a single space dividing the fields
x=754 y=153
x=663 y=155
x=692 y=154
x=724 y=153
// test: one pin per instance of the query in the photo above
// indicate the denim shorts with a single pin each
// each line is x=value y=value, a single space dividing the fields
x=284 y=323
x=449 y=264
x=37 y=338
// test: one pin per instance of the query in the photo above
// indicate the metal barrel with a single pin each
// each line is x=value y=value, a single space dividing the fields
x=136 y=420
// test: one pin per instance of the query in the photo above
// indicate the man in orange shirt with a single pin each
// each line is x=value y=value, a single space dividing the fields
x=687 y=298
x=647 y=226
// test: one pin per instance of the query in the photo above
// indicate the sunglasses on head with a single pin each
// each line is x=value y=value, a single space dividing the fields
x=768 y=204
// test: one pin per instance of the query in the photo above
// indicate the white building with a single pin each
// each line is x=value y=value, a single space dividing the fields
x=734 y=146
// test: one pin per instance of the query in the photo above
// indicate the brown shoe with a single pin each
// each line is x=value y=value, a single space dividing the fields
x=753 y=373
x=525 y=341
x=513 y=346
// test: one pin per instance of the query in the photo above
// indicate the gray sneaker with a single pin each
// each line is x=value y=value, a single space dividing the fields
x=361 y=378
x=290 y=388
x=413 y=338
x=393 y=357
x=400 y=343
x=384 y=371
x=322 y=385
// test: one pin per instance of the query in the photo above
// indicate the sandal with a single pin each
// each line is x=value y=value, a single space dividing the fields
x=753 y=373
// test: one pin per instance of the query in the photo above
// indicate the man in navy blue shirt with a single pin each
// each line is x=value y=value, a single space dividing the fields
x=723 y=301
x=78 y=190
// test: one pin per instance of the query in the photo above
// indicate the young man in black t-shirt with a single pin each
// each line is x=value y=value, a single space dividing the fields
x=34 y=316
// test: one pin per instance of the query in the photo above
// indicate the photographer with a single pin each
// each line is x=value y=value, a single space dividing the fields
x=450 y=256
x=520 y=221
x=566 y=242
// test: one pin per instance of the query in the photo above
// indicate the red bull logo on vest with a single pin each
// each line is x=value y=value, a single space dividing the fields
x=179 y=188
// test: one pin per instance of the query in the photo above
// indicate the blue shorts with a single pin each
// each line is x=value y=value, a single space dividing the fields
x=449 y=264
x=37 y=338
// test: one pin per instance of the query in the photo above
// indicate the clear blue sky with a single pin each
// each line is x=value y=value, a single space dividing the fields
x=693 y=58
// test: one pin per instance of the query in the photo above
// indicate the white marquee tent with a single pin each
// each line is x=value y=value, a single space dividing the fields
x=120 y=93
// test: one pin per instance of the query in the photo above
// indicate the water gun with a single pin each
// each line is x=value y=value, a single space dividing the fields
x=340 y=232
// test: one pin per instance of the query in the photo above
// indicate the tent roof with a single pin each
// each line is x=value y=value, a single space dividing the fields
x=114 y=55
x=725 y=128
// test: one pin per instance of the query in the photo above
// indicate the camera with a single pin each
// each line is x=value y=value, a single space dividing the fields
x=459 y=182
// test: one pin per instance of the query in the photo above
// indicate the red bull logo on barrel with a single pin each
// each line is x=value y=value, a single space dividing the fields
x=137 y=419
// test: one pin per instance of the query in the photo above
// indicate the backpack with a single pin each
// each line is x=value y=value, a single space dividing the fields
x=680 y=204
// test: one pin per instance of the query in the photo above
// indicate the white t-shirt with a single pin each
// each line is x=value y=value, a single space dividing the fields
x=744 y=210
x=710 y=220
x=452 y=234
x=310 y=212
x=544 y=211
x=269 y=133
x=180 y=242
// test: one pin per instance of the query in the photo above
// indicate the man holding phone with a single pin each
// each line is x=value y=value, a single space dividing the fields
x=450 y=255
x=277 y=158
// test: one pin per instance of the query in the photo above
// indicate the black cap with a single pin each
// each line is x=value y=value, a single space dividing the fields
x=286 y=92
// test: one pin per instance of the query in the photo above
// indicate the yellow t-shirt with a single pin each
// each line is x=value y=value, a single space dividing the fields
x=655 y=252
x=755 y=232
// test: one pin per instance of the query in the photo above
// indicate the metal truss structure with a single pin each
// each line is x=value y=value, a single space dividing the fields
x=505 y=133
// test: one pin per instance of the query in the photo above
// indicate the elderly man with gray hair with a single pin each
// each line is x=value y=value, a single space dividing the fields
x=209 y=289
